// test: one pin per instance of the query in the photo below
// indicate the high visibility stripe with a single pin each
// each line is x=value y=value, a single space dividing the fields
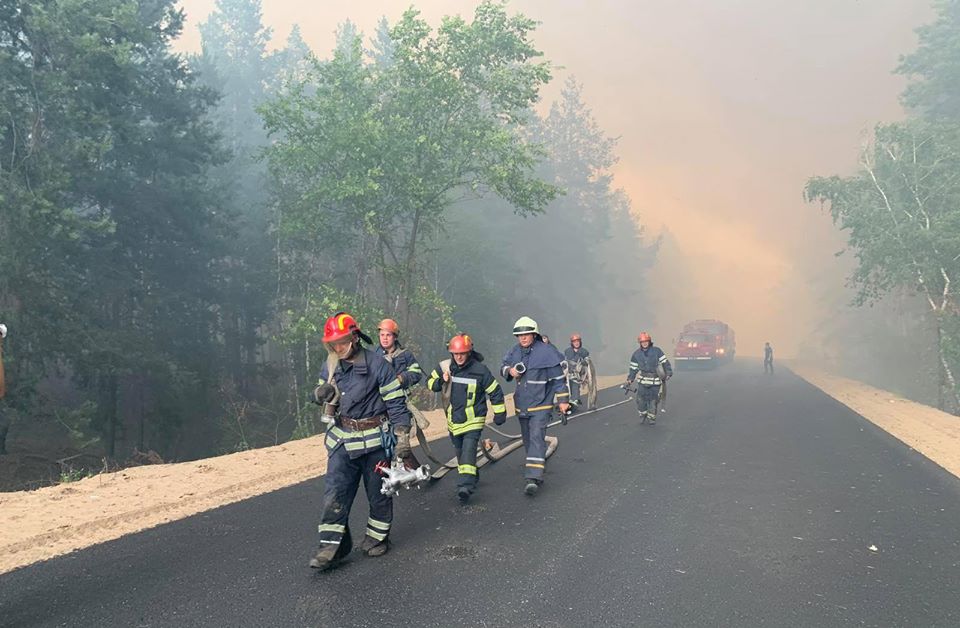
x=536 y=459
x=378 y=525
x=393 y=385
x=332 y=527
x=456 y=379
x=563 y=394
x=466 y=469
x=415 y=368
x=663 y=358
x=557 y=377
x=536 y=381
x=634 y=365
x=499 y=407
x=354 y=445
x=535 y=466
x=328 y=542
x=434 y=376
x=538 y=408
x=492 y=387
x=321 y=382
x=462 y=428
x=380 y=536
x=394 y=395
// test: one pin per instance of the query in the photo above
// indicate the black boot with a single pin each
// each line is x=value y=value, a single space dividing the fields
x=463 y=494
x=532 y=486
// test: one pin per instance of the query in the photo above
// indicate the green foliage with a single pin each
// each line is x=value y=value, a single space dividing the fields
x=935 y=65
x=371 y=156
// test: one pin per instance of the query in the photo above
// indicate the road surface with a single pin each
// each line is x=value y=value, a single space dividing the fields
x=754 y=501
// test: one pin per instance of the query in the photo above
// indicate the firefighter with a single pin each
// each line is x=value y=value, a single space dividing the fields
x=767 y=359
x=371 y=417
x=540 y=382
x=466 y=384
x=574 y=355
x=402 y=359
x=653 y=368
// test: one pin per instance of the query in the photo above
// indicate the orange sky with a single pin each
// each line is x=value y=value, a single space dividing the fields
x=723 y=109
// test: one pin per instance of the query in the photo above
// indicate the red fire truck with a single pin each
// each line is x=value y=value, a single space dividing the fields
x=705 y=342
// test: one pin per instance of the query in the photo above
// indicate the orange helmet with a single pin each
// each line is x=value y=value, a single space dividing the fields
x=644 y=337
x=390 y=325
x=339 y=326
x=461 y=344
x=575 y=337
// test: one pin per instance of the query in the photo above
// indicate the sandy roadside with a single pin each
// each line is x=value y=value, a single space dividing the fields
x=932 y=432
x=38 y=525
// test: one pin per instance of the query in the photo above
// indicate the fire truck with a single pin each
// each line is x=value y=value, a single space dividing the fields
x=705 y=342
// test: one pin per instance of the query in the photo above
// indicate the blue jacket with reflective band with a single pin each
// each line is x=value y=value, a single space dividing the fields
x=542 y=383
x=368 y=388
x=404 y=365
x=573 y=355
x=646 y=362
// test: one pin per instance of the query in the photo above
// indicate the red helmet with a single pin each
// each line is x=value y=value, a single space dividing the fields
x=575 y=337
x=644 y=337
x=390 y=325
x=461 y=344
x=339 y=326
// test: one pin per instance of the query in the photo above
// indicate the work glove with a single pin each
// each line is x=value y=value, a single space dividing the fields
x=403 y=451
x=500 y=418
x=323 y=393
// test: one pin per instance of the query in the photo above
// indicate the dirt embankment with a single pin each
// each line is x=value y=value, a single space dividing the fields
x=49 y=522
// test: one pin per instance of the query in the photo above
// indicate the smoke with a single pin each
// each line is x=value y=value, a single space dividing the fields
x=723 y=110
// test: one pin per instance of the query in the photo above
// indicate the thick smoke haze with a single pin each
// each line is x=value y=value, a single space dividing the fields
x=723 y=109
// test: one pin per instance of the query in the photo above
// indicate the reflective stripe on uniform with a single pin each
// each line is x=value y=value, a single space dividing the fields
x=332 y=527
x=539 y=408
x=393 y=385
x=377 y=529
x=466 y=469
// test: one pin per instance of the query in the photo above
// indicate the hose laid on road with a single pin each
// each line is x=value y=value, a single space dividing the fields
x=559 y=421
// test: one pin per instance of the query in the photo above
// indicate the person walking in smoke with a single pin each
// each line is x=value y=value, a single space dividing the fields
x=653 y=367
x=364 y=393
x=466 y=384
x=575 y=354
x=540 y=381
x=767 y=359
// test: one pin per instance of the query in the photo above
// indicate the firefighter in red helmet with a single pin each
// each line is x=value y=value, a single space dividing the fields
x=371 y=416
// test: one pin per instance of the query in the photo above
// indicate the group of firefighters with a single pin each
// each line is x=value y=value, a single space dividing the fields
x=366 y=391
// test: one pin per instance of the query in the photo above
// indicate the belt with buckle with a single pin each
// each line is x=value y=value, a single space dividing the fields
x=359 y=425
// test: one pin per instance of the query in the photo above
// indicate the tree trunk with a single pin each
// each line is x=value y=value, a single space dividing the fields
x=410 y=267
x=108 y=408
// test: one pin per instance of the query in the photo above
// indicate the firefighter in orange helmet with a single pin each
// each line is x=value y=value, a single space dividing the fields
x=370 y=417
x=653 y=367
x=466 y=384
x=402 y=359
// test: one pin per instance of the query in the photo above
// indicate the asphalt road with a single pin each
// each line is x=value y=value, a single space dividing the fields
x=754 y=501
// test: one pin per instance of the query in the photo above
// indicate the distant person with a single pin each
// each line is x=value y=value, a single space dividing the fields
x=653 y=368
x=768 y=358
x=575 y=355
